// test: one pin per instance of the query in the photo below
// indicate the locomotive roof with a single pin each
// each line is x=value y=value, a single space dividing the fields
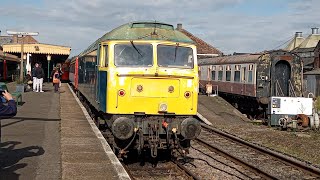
x=145 y=30
x=234 y=59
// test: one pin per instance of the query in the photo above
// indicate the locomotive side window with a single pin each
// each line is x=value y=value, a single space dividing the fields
x=220 y=73
x=133 y=55
x=228 y=73
x=237 y=73
x=250 y=73
x=106 y=56
x=175 y=56
x=213 y=73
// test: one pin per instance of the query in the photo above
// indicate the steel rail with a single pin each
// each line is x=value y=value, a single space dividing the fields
x=236 y=160
x=306 y=167
x=195 y=177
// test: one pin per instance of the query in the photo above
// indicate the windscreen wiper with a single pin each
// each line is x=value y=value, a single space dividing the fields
x=175 y=52
x=135 y=48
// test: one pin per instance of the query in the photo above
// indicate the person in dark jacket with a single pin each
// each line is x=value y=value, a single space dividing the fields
x=7 y=111
x=39 y=77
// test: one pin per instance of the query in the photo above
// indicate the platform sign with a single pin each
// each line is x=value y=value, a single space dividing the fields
x=22 y=33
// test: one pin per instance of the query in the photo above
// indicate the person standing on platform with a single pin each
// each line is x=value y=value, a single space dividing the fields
x=39 y=78
x=56 y=80
x=34 y=78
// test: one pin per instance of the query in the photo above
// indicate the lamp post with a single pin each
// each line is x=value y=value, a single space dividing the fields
x=22 y=46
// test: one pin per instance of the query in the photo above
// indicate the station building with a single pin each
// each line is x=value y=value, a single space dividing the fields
x=47 y=55
x=309 y=50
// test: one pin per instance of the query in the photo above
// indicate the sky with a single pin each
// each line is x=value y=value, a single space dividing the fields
x=229 y=25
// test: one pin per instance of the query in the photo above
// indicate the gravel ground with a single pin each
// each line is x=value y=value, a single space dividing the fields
x=302 y=145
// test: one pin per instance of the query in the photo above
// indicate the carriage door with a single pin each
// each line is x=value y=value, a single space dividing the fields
x=282 y=78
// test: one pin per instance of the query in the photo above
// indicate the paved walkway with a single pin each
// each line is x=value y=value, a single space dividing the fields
x=52 y=137
x=30 y=147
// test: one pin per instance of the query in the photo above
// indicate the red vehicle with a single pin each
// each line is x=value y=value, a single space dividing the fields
x=65 y=70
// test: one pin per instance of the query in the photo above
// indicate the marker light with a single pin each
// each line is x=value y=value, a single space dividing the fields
x=121 y=92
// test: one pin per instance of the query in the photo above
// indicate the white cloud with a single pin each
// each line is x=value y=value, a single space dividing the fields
x=78 y=23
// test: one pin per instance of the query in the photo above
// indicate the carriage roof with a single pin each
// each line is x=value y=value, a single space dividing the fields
x=234 y=59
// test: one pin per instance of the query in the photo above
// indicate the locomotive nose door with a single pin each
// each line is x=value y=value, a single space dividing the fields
x=282 y=78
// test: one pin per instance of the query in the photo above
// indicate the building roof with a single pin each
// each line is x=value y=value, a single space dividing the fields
x=5 y=40
x=202 y=46
x=8 y=57
x=295 y=42
x=16 y=39
x=312 y=40
x=234 y=59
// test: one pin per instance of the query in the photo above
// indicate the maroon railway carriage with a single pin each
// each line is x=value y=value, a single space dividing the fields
x=247 y=81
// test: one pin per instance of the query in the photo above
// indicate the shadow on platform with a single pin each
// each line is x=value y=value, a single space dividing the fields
x=10 y=156
x=20 y=119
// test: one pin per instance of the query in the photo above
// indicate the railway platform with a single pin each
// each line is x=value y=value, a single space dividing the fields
x=53 y=137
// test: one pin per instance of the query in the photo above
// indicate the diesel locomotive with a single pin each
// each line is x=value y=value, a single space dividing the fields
x=248 y=81
x=141 y=81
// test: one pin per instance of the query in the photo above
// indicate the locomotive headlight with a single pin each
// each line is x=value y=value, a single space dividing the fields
x=139 y=88
x=163 y=107
x=190 y=128
x=170 y=89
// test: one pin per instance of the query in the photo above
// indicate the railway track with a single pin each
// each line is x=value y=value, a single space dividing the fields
x=168 y=170
x=262 y=162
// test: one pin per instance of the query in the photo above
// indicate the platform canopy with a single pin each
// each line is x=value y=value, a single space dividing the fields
x=10 y=57
x=37 y=48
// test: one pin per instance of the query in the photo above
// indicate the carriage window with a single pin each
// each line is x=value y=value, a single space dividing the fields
x=106 y=57
x=133 y=55
x=237 y=73
x=243 y=76
x=220 y=73
x=175 y=56
x=213 y=73
x=250 y=73
x=228 y=73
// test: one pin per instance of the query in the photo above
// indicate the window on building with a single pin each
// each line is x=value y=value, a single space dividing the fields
x=228 y=73
x=237 y=73
x=220 y=73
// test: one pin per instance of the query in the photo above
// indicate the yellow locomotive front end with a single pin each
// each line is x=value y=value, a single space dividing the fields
x=165 y=82
x=151 y=87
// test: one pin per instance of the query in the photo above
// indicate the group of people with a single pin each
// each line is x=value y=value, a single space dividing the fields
x=38 y=76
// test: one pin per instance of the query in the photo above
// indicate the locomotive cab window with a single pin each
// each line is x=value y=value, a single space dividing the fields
x=106 y=56
x=133 y=55
x=175 y=56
